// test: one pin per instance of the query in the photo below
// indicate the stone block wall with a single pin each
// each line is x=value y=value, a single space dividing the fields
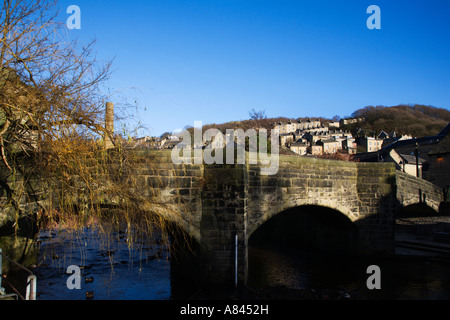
x=177 y=188
x=363 y=192
x=412 y=190
x=224 y=203
x=377 y=206
x=439 y=170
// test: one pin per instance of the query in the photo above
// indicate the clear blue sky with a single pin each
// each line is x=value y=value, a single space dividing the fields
x=213 y=61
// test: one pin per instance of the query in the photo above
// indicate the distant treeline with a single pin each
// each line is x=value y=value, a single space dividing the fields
x=414 y=120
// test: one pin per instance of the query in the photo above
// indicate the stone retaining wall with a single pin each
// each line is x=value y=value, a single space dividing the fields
x=413 y=190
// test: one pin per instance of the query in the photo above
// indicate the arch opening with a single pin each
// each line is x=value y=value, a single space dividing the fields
x=416 y=210
x=309 y=227
x=304 y=248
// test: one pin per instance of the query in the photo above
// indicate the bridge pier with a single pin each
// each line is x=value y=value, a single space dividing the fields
x=224 y=215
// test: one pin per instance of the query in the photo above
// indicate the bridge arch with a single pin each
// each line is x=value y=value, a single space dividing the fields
x=417 y=209
x=261 y=216
x=311 y=227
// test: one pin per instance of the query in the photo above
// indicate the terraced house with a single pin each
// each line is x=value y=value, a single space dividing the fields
x=292 y=126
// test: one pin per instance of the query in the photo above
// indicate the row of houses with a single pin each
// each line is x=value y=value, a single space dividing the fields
x=168 y=142
x=311 y=124
x=424 y=157
x=318 y=142
x=293 y=126
x=312 y=137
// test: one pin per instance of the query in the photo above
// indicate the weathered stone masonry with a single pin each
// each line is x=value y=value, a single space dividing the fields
x=413 y=190
x=219 y=201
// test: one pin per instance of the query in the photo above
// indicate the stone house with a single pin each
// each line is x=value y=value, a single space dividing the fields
x=344 y=122
x=334 y=124
x=286 y=139
x=316 y=149
x=298 y=135
x=340 y=140
x=349 y=145
x=285 y=127
x=314 y=136
x=405 y=162
x=370 y=144
x=439 y=163
x=374 y=144
x=329 y=146
x=311 y=123
x=300 y=148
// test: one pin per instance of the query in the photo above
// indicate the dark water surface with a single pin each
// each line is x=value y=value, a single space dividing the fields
x=143 y=272
x=343 y=277
x=110 y=268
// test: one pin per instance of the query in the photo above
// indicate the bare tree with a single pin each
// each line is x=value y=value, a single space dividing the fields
x=49 y=86
x=257 y=115
x=52 y=111
x=336 y=118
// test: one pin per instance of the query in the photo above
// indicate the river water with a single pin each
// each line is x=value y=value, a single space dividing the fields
x=111 y=269
x=345 y=277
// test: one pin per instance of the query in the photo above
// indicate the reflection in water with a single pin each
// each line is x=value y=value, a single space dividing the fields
x=313 y=249
x=339 y=276
x=270 y=269
x=118 y=271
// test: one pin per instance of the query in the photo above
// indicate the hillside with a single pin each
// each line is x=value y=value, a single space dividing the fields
x=416 y=120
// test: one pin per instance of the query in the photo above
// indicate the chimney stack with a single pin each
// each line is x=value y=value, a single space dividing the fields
x=109 y=125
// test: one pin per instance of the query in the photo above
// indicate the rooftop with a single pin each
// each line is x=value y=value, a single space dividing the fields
x=299 y=144
x=329 y=141
x=442 y=147
x=411 y=159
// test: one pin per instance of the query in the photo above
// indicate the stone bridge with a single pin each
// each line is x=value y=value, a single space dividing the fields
x=214 y=203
